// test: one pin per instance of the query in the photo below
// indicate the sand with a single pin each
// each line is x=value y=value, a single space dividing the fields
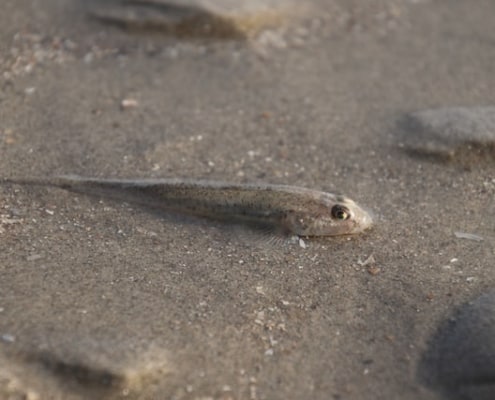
x=101 y=299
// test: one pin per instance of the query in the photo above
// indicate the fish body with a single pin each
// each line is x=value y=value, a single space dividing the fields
x=290 y=209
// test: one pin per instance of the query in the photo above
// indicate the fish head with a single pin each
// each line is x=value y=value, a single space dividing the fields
x=332 y=216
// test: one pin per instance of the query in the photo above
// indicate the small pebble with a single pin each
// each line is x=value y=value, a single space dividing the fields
x=373 y=270
x=260 y=290
x=369 y=261
x=128 y=103
x=34 y=257
x=8 y=338
x=468 y=236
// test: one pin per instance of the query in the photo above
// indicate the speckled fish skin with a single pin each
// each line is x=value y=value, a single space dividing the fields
x=292 y=210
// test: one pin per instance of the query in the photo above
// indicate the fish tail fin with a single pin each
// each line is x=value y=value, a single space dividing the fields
x=65 y=181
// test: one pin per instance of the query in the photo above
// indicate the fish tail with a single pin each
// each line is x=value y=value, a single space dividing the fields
x=63 y=182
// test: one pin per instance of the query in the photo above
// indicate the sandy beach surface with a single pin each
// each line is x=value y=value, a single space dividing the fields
x=102 y=299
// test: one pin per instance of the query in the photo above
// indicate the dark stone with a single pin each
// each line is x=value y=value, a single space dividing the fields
x=460 y=361
x=225 y=19
x=457 y=133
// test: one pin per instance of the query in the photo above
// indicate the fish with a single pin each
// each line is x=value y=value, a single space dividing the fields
x=291 y=210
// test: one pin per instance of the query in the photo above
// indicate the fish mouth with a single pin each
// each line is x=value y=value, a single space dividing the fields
x=364 y=219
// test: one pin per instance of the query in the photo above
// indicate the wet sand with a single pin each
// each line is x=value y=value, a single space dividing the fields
x=102 y=299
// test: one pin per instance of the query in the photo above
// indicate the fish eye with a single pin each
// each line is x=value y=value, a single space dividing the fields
x=340 y=212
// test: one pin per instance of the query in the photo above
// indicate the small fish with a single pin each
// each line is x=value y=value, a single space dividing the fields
x=288 y=209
